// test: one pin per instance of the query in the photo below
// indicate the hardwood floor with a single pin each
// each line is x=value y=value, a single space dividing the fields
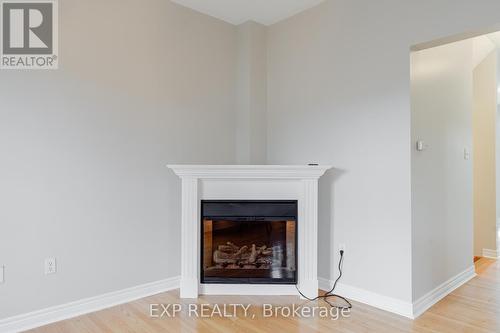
x=474 y=307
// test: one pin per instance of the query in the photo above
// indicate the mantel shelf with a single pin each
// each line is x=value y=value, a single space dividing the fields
x=250 y=171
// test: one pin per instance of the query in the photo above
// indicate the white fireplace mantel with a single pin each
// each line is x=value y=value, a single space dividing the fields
x=249 y=182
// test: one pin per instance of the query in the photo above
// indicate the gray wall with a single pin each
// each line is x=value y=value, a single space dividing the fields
x=83 y=150
x=442 y=104
x=339 y=93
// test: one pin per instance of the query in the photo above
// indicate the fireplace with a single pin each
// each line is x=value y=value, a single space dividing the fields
x=248 y=242
x=275 y=206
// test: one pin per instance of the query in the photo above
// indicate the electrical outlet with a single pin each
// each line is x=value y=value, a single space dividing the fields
x=2 y=273
x=342 y=247
x=50 y=266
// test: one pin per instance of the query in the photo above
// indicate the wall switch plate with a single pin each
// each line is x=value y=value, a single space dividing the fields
x=466 y=154
x=420 y=145
x=2 y=273
x=50 y=266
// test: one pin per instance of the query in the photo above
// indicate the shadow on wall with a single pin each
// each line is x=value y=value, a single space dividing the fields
x=327 y=251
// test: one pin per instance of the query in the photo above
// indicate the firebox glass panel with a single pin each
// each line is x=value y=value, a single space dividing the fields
x=249 y=248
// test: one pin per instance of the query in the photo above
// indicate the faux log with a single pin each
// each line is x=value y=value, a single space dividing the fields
x=230 y=255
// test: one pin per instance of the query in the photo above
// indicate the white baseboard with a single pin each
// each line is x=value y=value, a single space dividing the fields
x=60 y=312
x=425 y=302
x=492 y=254
x=379 y=301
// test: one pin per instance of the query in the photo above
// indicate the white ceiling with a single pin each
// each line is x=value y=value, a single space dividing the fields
x=239 y=11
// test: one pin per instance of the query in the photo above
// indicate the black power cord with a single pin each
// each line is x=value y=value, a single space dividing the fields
x=330 y=293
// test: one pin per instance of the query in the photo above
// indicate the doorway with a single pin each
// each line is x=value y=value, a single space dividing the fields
x=455 y=133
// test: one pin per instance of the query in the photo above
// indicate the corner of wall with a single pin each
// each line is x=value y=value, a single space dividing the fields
x=251 y=123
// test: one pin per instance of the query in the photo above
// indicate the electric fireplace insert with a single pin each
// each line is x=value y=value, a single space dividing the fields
x=249 y=241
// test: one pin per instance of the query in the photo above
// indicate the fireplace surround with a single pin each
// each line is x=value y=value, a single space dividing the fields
x=210 y=184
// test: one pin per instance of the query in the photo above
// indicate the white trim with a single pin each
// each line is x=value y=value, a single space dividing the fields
x=250 y=171
x=492 y=254
x=379 y=301
x=248 y=289
x=190 y=240
x=64 y=311
x=425 y=302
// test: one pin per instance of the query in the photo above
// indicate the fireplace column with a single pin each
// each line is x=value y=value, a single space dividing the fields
x=190 y=238
x=308 y=238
